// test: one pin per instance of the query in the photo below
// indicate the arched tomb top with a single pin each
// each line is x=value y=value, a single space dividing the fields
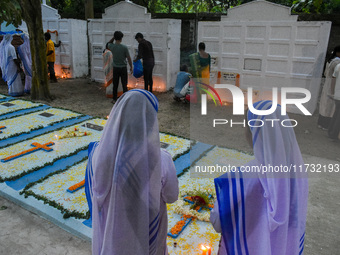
x=125 y=9
x=48 y=12
x=260 y=10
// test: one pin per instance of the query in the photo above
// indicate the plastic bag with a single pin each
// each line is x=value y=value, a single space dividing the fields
x=185 y=90
x=137 y=69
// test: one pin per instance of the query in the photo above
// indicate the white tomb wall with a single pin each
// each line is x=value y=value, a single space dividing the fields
x=72 y=55
x=164 y=34
x=268 y=48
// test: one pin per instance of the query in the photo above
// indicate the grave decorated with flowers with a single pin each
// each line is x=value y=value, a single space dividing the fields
x=43 y=157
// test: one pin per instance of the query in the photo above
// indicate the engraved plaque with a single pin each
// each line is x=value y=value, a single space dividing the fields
x=93 y=126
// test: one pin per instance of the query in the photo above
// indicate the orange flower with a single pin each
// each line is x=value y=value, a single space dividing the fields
x=76 y=186
x=179 y=225
x=36 y=146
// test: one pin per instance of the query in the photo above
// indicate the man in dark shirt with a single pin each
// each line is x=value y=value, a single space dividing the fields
x=121 y=57
x=145 y=52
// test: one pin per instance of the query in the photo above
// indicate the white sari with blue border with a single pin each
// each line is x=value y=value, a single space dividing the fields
x=264 y=214
x=123 y=179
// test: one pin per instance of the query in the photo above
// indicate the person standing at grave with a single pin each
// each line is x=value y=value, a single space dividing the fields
x=10 y=66
x=200 y=69
x=145 y=52
x=334 y=126
x=24 y=52
x=108 y=67
x=121 y=56
x=327 y=106
x=200 y=63
x=50 y=53
x=129 y=179
x=264 y=212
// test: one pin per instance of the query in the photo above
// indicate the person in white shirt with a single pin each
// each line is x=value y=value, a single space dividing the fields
x=334 y=126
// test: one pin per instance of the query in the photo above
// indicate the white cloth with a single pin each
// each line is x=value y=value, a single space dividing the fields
x=336 y=75
x=24 y=52
x=169 y=194
x=9 y=69
x=264 y=214
x=327 y=105
x=128 y=215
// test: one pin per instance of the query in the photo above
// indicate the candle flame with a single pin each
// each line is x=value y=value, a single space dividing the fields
x=107 y=116
x=203 y=248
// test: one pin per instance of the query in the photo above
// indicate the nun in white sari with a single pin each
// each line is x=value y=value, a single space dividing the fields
x=129 y=179
x=9 y=68
x=24 y=52
x=264 y=213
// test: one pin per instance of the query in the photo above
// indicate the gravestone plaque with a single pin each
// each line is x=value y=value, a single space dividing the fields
x=97 y=50
x=46 y=114
x=93 y=126
x=164 y=145
x=7 y=104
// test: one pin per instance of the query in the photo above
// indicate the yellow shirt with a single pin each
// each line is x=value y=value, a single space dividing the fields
x=50 y=47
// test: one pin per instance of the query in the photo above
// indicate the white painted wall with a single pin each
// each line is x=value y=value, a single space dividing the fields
x=72 y=55
x=269 y=48
x=164 y=34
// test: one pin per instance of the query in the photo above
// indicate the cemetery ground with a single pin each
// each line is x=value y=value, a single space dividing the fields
x=24 y=232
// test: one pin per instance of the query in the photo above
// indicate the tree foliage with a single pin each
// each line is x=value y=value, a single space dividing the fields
x=75 y=8
x=316 y=6
x=10 y=12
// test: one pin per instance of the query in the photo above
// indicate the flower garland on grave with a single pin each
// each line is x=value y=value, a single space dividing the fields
x=66 y=213
x=41 y=127
x=179 y=208
x=192 y=195
x=73 y=133
x=3 y=179
x=52 y=131
x=177 y=140
x=36 y=147
x=29 y=104
x=76 y=186
x=179 y=225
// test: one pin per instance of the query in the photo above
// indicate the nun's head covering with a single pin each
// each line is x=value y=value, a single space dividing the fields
x=275 y=144
x=4 y=54
x=274 y=140
x=269 y=207
x=24 y=52
x=127 y=178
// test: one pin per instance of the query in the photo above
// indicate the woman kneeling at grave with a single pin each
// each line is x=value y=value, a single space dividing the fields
x=129 y=179
x=264 y=213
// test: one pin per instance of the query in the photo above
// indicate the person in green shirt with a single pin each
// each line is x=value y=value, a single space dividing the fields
x=121 y=56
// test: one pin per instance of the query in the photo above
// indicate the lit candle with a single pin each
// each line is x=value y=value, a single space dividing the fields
x=204 y=249
x=209 y=249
